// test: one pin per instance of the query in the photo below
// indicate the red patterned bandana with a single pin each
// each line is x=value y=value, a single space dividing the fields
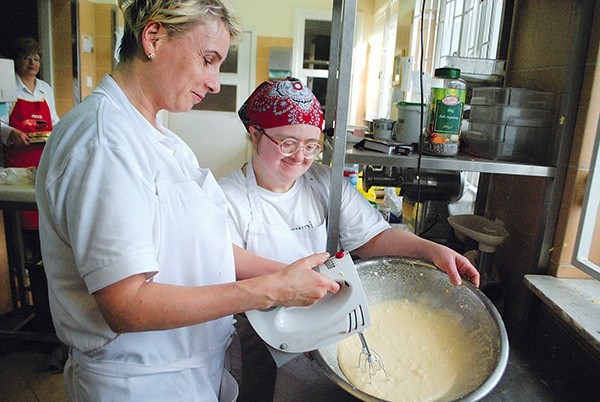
x=281 y=103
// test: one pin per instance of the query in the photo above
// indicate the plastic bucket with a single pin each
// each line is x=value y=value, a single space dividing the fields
x=409 y=118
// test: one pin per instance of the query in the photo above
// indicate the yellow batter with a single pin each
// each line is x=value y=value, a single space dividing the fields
x=425 y=352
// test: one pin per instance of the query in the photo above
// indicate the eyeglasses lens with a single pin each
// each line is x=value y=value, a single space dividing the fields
x=35 y=59
x=290 y=146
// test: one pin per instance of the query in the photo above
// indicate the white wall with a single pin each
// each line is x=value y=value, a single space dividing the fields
x=274 y=18
x=218 y=139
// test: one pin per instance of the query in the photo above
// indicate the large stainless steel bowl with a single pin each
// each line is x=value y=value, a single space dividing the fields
x=387 y=278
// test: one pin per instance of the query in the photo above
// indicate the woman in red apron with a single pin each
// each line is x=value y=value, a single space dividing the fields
x=30 y=119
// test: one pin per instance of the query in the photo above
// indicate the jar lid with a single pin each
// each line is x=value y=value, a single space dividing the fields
x=402 y=103
x=447 y=72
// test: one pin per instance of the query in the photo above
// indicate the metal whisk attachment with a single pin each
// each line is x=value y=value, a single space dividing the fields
x=369 y=360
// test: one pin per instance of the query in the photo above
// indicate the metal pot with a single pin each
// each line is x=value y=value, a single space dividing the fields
x=387 y=278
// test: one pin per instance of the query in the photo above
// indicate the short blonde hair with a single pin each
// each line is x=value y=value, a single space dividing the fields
x=176 y=16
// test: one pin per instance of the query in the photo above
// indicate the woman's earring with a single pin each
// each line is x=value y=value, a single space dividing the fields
x=151 y=55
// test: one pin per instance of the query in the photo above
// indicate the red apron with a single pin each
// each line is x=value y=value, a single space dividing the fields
x=29 y=117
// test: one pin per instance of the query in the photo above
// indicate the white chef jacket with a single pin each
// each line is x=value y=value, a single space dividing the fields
x=118 y=197
x=42 y=91
x=299 y=208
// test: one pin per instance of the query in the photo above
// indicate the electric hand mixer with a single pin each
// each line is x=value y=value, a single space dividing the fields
x=289 y=331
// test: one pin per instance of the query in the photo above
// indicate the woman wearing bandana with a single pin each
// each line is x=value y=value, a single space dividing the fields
x=278 y=201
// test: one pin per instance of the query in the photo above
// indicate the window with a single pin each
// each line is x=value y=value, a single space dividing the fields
x=388 y=53
x=586 y=255
x=469 y=28
x=382 y=44
x=463 y=28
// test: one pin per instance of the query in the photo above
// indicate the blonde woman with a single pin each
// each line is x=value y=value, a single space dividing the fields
x=141 y=269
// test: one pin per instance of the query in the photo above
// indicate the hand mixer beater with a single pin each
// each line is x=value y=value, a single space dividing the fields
x=369 y=360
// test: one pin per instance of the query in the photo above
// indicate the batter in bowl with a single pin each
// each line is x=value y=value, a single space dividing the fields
x=426 y=353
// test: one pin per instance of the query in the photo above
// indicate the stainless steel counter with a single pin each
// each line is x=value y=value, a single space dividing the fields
x=18 y=194
x=13 y=199
x=457 y=163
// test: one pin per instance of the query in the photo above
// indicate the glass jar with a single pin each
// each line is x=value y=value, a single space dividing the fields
x=445 y=109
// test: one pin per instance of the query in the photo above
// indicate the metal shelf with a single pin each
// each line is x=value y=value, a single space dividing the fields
x=457 y=163
x=337 y=152
x=336 y=113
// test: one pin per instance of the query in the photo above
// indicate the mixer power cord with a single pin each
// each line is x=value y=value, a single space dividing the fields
x=436 y=220
x=421 y=139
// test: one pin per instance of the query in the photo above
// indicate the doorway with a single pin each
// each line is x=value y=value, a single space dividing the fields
x=19 y=18
x=310 y=64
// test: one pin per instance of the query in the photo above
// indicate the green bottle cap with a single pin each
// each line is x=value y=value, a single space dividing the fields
x=447 y=72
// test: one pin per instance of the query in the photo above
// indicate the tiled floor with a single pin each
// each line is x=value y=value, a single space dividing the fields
x=542 y=367
x=26 y=376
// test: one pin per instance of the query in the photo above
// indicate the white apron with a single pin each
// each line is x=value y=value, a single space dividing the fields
x=140 y=366
x=278 y=242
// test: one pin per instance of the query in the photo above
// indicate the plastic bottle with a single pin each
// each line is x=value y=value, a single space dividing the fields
x=351 y=173
x=445 y=109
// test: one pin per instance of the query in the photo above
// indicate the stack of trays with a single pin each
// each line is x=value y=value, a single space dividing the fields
x=510 y=124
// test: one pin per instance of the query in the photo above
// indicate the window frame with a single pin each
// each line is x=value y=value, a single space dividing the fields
x=589 y=216
x=480 y=39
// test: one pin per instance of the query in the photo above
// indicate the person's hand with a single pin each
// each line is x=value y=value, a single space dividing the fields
x=299 y=285
x=455 y=265
x=17 y=138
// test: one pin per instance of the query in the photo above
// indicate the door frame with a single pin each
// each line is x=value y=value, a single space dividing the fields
x=301 y=15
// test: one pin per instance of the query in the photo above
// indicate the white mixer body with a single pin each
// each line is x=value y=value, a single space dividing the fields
x=331 y=319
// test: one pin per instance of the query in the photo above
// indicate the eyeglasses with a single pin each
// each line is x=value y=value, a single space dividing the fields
x=290 y=146
x=35 y=59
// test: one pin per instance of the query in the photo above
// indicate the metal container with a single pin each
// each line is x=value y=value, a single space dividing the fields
x=387 y=278
x=383 y=129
